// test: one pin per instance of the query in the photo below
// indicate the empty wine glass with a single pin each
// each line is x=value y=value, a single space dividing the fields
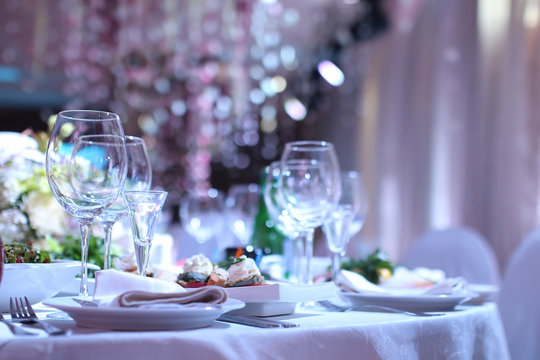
x=347 y=218
x=309 y=187
x=85 y=178
x=285 y=223
x=242 y=204
x=139 y=177
x=144 y=208
x=202 y=214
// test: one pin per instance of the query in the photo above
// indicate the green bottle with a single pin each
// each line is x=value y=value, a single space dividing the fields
x=266 y=236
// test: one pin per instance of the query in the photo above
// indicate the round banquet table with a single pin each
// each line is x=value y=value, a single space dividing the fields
x=470 y=332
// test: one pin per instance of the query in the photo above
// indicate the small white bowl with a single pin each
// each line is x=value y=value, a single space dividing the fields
x=36 y=281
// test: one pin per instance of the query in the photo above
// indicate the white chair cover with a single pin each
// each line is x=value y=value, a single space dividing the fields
x=519 y=299
x=458 y=252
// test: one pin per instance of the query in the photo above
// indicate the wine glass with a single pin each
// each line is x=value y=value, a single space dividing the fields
x=347 y=218
x=144 y=208
x=285 y=223
x=86 y=177
x=309 y=187
x=242 y=203
x=201 y=214
x=139 y=177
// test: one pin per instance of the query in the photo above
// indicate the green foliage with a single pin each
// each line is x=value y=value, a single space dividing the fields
x=371 y=266
x=70 y=248
x=38 y=182
x=266 y=235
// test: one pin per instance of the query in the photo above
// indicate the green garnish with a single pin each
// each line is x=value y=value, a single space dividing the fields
x=230 y=261
x=24 y=253
x=370 y=267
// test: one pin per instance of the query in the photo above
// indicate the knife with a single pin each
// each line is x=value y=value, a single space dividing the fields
x=256 y=321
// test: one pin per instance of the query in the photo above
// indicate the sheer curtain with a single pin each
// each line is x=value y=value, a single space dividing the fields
x=448 y=131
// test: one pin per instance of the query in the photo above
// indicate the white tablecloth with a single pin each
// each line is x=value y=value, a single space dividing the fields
x=473 y=332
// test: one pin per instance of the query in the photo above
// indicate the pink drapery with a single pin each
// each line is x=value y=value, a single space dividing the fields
x=449 y=128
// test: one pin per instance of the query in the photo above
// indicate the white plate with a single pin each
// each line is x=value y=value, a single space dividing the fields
x=407 y=302
x=484 y=293
x=116 y=318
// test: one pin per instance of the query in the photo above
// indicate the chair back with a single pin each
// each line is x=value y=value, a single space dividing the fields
x=457 y=251
x=519 y=299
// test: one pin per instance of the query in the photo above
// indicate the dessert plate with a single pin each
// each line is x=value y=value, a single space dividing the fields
x=163 y=318
x=414 y=303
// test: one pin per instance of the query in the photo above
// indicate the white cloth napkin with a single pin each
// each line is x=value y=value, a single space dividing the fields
x=351 y=281
x=208 y=295
x=116 y=288
x=5 y=333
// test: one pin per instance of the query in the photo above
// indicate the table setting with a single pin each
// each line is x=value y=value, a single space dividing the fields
x=216 y=305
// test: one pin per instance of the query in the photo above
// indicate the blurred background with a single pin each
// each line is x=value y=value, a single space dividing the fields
x=433 y=101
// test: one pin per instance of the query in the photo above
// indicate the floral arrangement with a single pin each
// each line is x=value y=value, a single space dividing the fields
x=30 y=216
x=29 y=213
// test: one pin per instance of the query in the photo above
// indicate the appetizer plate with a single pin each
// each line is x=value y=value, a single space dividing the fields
x=165 y=318
x=415 y=303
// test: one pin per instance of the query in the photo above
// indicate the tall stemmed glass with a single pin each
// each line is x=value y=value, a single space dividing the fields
x=309 y=187
x=85 y=177
x=139 y=177
x=285 y=223
x=347 y=218
x=144 y=208
x=201 y=214
x=242 y=203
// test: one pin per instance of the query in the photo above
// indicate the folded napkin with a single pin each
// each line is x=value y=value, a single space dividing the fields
x=117 y=288
x=207 y=295
x=351 y=281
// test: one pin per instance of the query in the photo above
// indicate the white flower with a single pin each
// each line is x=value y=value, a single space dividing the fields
x=16 y=147
x=9 y=191
x=45 y=214
x=13 y=225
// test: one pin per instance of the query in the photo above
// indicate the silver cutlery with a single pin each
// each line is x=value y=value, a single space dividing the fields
x=333 y=307
x=25 y=314
x=16 y=330
x=256 y=321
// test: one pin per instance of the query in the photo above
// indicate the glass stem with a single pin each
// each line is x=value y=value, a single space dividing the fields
x=336 y=265
x=308 y=255
x=142 y=253
x=85 y=237
x=107 y=229
x=297 y=260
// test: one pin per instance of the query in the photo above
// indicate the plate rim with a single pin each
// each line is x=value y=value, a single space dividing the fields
x=233 y=305
x=420 y=302
x=413 y=297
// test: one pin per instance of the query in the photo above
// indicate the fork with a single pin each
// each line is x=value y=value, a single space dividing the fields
x=25 y=314
x=15 y=329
